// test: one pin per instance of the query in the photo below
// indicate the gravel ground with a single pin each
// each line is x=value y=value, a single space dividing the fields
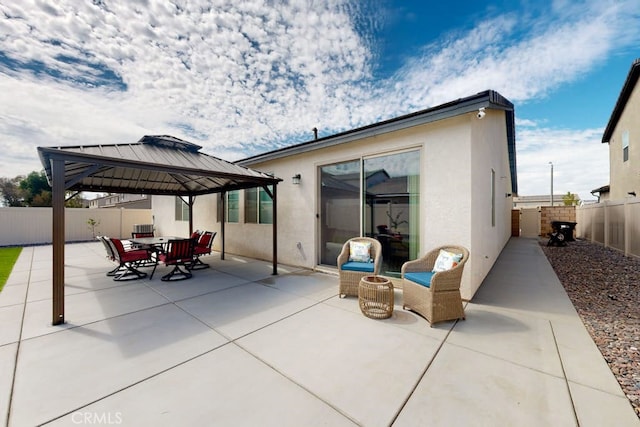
x=604 y=287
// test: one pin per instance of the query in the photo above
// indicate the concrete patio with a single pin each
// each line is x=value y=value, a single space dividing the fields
x=236 y=346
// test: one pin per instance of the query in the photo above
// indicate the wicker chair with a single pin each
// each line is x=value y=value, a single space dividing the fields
x=440 y=300
x=349 y=279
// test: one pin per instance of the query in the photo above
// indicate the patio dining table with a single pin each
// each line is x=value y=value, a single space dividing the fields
x=154 y=242
x=155 y=245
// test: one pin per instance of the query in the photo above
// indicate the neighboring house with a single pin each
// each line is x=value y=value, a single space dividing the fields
x=623 y=136
x=602 y=193
x=445 y=175
x=127 y=201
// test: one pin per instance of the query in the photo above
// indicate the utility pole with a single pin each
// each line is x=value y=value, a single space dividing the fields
x=551 y=163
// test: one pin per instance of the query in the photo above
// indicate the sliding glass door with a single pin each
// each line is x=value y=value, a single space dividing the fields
x=391 y=206
x=339 y=208
x=376 y=197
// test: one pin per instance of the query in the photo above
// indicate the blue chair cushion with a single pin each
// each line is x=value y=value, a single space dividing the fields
x=421 y=278
x=358 y=266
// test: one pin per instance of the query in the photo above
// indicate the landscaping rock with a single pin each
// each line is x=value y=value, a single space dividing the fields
x=604 y=286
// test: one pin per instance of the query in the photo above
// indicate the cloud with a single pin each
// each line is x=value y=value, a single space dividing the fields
x=245 y=77
x=537 y=146
x=522 y=57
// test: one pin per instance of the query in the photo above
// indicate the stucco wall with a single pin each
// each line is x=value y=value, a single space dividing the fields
x=457 y=155
x=489 y=153
x=625 y=176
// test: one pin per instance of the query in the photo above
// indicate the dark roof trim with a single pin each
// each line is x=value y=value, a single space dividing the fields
x=603 y=189
x=487 y=99
x=55 y=153
x=625 y=93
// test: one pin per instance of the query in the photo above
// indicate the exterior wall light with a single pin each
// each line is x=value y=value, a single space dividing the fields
x=295 y=179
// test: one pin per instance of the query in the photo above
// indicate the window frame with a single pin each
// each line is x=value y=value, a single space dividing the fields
x=233 y=206
x=258 y=205
x=181 y=210
x=625 y=145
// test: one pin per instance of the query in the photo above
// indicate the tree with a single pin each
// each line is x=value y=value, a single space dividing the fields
x=570 y=199
x=32 y=190
x=12 y=195
x=36 y=187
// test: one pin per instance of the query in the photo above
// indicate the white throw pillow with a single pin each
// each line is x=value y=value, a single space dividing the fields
x=359 y=251
x=446 y=261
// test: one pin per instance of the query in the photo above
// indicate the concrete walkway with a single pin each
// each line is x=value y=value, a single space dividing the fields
x=235 y=346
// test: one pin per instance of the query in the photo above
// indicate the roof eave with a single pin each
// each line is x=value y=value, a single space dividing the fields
x=486 y=99
x=625 y=94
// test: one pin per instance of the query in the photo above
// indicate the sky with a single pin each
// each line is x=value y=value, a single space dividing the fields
x=244 y=77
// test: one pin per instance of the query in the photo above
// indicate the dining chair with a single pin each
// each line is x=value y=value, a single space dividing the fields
x=110 y=255
x=128 y=260
x=202 y=247
x=177 y=253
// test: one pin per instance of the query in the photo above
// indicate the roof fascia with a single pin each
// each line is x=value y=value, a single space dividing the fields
x=487 y=99
x=47 y=153
x=625 y=94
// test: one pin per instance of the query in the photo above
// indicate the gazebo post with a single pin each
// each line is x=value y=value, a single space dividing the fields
x=275 y=229
x=191 y=200
x=58 y=234
x=223 y=196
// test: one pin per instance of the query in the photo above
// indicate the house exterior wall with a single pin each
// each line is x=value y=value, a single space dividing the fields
x=625 y=176
x=457 y=157
x=489 y=215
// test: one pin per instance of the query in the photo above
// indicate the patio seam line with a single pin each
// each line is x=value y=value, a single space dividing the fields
x=564 y=374
x=237 y=344
x=424 y=372
x=18 y=346
x=315 y=303
x=282 y=374
x=163 y=371
x=173 y=301
x=511 y=362
x=80 y=325
x=229 y=341
x=28 y=301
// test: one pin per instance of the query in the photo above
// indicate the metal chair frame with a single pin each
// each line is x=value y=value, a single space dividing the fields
x=176 y=253
x=129 y=261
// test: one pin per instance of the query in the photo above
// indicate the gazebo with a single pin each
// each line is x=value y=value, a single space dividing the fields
x=155 y=165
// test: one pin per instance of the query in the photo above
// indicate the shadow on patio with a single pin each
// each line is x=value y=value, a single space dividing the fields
x=235 y=345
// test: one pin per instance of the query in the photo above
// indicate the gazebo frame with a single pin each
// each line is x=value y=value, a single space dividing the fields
x=155 y=165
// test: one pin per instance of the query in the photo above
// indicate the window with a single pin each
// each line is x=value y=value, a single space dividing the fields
x=625 y=145
x=258 y=206
x=182 y=210
x=233 y=206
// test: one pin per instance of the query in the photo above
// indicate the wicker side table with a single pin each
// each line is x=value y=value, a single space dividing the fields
x=375 y=297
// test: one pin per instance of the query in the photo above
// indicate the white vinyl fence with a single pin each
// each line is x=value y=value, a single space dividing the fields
x=32 y=226
x=615 y=224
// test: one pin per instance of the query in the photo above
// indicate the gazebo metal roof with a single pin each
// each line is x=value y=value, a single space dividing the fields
x=162 y=165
